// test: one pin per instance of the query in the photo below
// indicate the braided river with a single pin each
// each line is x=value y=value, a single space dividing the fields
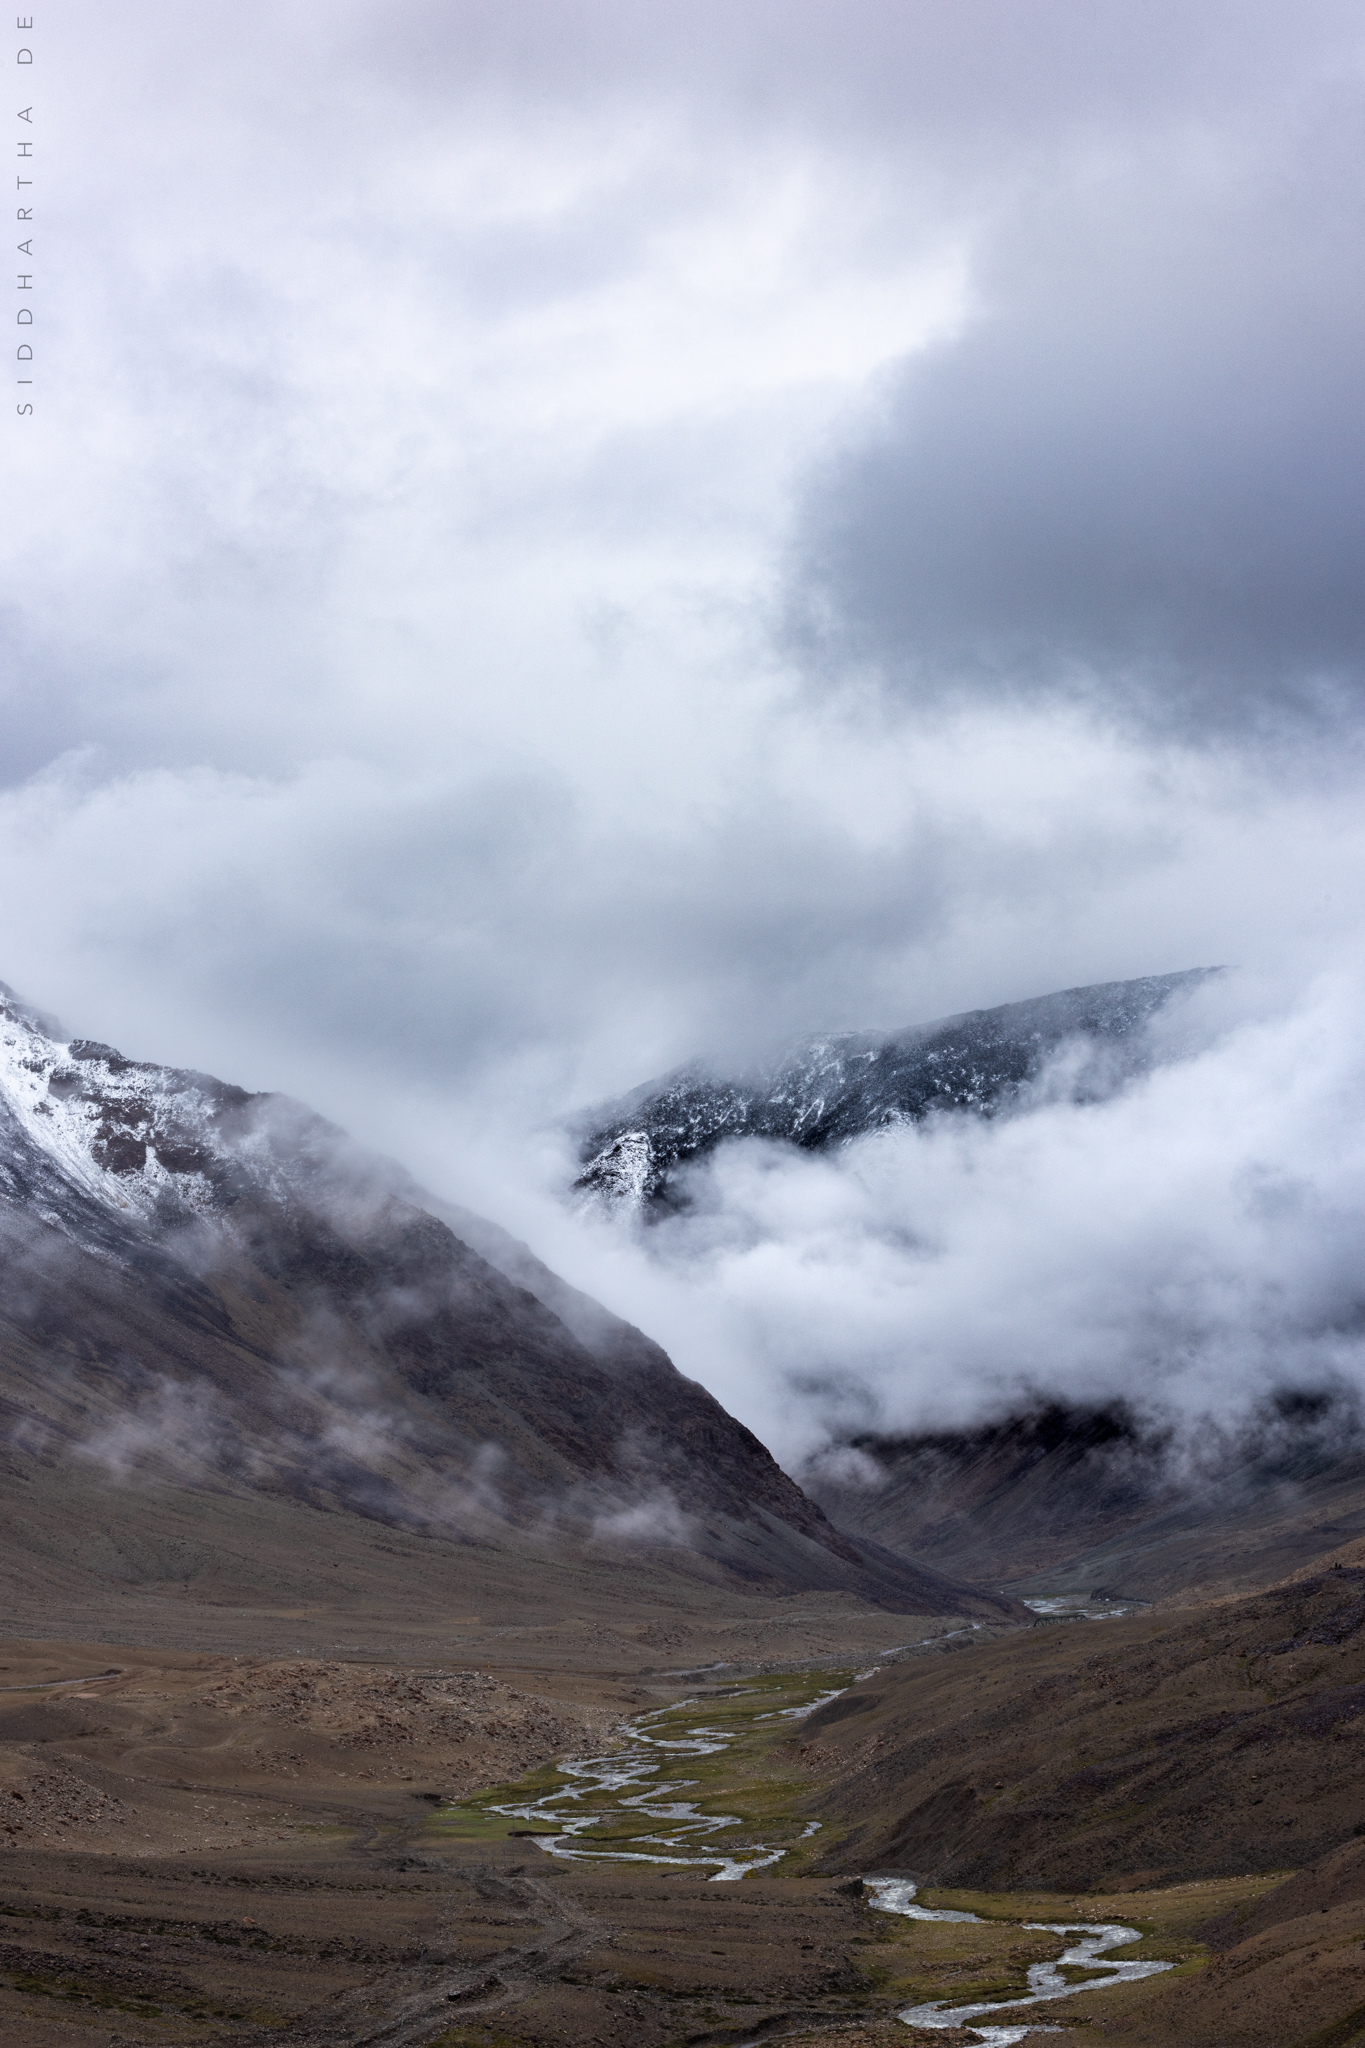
x=630 y=1806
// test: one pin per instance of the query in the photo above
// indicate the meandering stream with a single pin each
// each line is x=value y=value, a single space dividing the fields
x=628 y=1807
x=633 y=1788
x=1045 y=1980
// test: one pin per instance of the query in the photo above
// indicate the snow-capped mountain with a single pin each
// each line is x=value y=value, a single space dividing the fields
x=90 y=1136
x=208 y=1288
x=826 y=1090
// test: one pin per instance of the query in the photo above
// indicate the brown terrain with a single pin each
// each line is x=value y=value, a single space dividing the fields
x=198 y=1848
x=235 y=1848
x=1150 y=1760
x=1153 y=1748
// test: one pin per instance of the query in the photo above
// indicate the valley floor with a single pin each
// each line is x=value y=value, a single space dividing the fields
x=224 y=1849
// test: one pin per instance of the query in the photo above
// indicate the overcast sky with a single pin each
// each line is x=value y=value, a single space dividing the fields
x=557 y=537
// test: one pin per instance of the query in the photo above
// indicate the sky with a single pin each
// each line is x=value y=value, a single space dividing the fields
x=557 y=538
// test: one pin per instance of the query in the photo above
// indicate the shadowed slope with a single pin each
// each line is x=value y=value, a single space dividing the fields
x=1069 y=1500
x=1134 y=1751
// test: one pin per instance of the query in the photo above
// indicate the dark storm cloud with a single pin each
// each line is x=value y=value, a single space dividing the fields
x=1139 y=475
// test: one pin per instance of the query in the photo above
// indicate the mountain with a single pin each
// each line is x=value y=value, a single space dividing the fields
x=1065 y=1500
x=1055 y=1500
x=826 y=1090
x=219 y=1313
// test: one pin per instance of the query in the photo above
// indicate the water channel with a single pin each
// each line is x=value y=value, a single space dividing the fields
x=1045 y=1980
x=628 y=1807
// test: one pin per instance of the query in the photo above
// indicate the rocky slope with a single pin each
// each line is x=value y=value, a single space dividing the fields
x=826 y=1090
x=217 y=1291
x=1156 y=1749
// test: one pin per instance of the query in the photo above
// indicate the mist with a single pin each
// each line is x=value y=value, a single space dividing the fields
x=1187 y=1248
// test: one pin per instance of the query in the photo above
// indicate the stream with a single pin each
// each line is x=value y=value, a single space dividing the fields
x=636 y=1785
x=627 y=1807
x=1045 y=1980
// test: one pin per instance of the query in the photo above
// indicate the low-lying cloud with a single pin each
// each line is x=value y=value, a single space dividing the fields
x=1189 y=1246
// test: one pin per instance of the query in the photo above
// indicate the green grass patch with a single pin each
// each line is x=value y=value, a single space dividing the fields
x=746 y=1781
x=957 y=1963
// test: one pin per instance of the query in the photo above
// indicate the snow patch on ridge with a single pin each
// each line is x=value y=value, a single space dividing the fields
x=622 y=1174
x=132 y=1135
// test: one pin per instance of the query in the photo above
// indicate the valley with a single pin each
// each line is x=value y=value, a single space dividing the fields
x=233 y=1848
x=396 y=1648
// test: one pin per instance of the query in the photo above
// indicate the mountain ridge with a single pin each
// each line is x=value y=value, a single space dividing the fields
x=828 y=1089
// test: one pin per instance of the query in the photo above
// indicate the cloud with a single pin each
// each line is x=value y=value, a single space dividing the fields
x=655 y=1519
x=395 y=680
x=1188 y=1246
x=1136 y=479
x=556 y=541
x=171 y=1427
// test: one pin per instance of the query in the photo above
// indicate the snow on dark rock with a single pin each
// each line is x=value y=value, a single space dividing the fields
x=824 y=1091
